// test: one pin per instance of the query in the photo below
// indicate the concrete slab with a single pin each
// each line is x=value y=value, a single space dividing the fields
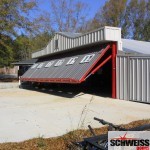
x=27 y=114
x=7 y=85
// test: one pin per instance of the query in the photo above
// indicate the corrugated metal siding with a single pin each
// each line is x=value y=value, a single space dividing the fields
x=68 y=42
x=133 y=78
x=75 y=71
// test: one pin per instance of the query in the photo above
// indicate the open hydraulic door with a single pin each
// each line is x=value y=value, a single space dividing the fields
x=73 y=67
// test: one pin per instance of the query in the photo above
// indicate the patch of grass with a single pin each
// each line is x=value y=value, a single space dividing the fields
x=41 y=142
x=63 y=142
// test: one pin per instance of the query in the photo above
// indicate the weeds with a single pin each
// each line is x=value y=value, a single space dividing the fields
x=62 y=142
x=41 y=143
x=84 y=111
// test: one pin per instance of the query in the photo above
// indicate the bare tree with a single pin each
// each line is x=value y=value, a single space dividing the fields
x=68 y=15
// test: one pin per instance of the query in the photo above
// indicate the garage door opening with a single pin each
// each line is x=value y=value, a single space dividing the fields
x=99 y=83
x=97 y=76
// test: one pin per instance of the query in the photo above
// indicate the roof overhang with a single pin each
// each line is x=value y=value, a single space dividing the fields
x=28 y=62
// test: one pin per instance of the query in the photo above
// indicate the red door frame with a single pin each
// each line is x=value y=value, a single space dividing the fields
x=114 y=53
x=113 y=48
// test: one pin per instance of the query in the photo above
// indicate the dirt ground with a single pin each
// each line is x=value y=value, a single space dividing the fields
x=27 y=114
x=64 y=142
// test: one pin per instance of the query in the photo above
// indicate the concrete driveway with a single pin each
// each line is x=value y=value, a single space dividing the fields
x=27 y=114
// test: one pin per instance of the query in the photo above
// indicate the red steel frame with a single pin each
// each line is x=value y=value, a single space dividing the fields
x=114 y=53
x=102 y=64
x=113 y=47
x=54 y=80
x=90 y=69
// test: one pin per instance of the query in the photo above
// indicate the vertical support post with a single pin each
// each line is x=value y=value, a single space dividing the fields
x=114 y=52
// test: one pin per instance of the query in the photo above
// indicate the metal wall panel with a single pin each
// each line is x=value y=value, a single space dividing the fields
x=68 y=41
x=133 y=78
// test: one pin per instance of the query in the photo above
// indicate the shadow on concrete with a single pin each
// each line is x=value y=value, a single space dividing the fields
x=67 y=90
x=62 y=91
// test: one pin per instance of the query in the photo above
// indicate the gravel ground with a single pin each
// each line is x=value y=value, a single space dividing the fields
x=26 y=114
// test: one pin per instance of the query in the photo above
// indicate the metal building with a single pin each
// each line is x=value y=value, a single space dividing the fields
x=75 y=58
x=133 y=71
